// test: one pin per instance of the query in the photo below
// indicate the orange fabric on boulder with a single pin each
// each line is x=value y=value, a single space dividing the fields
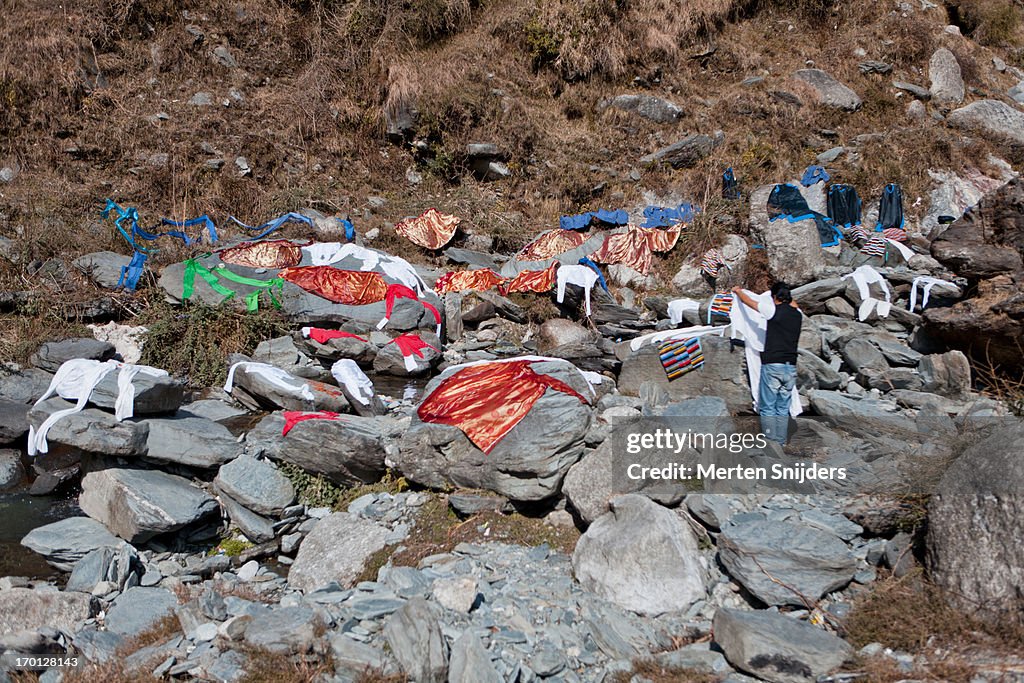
x=551 y=244
x=634 y=247
x=539 y=281
x=269 y=254
x=350 y=287
x=462 y=280
x=486 y=401
x=430 y=230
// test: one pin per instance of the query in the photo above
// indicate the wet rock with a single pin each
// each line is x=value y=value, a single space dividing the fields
x=336 y=549
x=828 y=91
x=415 y=639
x=256 y=484
x=66 y=542
x=777 y=648
x=785 y=564
x=140 y=504
x=23 y=609
x=642 y=557
x=11 y=470
x=190 y=440
x=51 y=355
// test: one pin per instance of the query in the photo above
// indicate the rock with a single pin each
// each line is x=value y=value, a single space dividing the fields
x=952 y=195
x=528 y=463
x=336 y=549
x=139 y=609
x=785 y=564
x=624 y=276
x=457 y=594
x=51 y=355
x=946 y=374
x=895 y=351
x=975 y=508
x=281 y=352
x=470 y=662
x=153 y=395
x=915 y=90
x=830 y=155
x=648 y=107
x=66 y=542
x=916 y=111
x=473 y=259
x=255 y=391
x=828 y=91
x=840 y=406
x=890 y=379
x=25 y=386
x=861 y=354
x=256 y=484
x=190 y=440
x=102 y=267
x=390 y=361
x=723 y=374
x=815 y=373
x=92 y=430
x=777 y=648
x=840 y=307
x=689 y=281
x=284 y=630
x=947 y=84
x=814 y=296
x=11 y=470
x=348 y=453
x=23 y=609
x=414 y=636
x=13 y=421
x=139 y=504
x=794 y=250
x=992 y=118
x=104 y=565
x=642 y=557
x=556 y=332
x=350 y=655
x=685 y=153
x=256 y=528
x=1016 y=93
x=453 y=325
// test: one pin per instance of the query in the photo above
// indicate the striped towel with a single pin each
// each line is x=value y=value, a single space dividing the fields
x=721 y=304
x=898 y=234
x=712 y=262
x=876 y=246
x=856 y=235
x=680 y=356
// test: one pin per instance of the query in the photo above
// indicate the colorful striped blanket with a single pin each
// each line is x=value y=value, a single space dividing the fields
x=721 y=305
x=680 y=356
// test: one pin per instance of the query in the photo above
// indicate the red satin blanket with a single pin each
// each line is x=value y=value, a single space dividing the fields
x=350 y=287
x=268 y=254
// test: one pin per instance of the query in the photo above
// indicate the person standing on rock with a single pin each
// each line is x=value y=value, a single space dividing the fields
x=778 y=360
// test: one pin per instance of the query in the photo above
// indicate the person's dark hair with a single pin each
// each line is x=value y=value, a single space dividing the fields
x=780 y=291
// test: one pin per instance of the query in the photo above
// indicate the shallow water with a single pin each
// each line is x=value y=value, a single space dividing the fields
x=399 y=388
x=20 y=513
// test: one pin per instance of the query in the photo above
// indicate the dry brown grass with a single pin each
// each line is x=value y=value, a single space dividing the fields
x=650 y=670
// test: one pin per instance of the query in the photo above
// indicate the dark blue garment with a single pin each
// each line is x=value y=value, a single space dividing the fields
x=271 y=226
x=664 y=216
x=844 y=205
x=890 y=208
x=730 y=188
x=131 y=273
x=814 y=174
x=593 y=266
x=583 y=220
x=786 y=202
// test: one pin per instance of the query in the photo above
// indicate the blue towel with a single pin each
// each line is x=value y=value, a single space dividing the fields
x=814 y=174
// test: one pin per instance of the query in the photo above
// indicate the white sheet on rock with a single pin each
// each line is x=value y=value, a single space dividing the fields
x=273 y=375
x=683 y=333
x=863 y=277
x=677 y=307
x=348 y=375
x=581 y=276
x=926 y=282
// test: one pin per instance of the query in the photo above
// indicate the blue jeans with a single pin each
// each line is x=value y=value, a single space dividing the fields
x=777 y=382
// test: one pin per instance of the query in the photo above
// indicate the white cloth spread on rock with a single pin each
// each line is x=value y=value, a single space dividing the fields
x=677 y=307
x=274 y=375
x=329 y=253
x=751 y=326
x=864 y=276
x=76 y=380
x=581 y=276
x=927 y=282
x=355 y=381
x=683 y=333
x=904 y=250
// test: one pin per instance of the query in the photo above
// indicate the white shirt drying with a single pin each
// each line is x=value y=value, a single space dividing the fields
x=274 y=375
x=75 y=380
x=752 y=327
x=863 y=277
x=348 y=375
x=927 y=282
x=677 y=307
x=581 y=276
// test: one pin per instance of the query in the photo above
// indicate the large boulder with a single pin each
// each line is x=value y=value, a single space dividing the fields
x=947 y=83
x=557 y=332
x=153 y=394
x=336 y=549
x=777 y=648
x=993 y=119
x=722 y=374
x=348 y=451
x=946 y=374
x=253 y=389
x=527 y=464
x=139 y=504
x=414 y=635
x=23 y=609
x=827 y=90
x=256 y=484
x=190 y=440
x=642 y=557
x=13 y=420
x=92 y=430
x=138 y=609
x=284 y=630
x=66 y=542
x=785 y=564
x=978 y=505
x=51 y=355
x=794 y=250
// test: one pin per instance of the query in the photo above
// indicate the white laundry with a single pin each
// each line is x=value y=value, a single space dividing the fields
x=684 y=333
x=348 y=375
x=927 y=282
x=75 y=380
x=752 y=327
x=677 y=307
x=904 y=250
x=410 y=362
x=276 y=376
x=863 y=277
x=581 y=276
x=329 y=253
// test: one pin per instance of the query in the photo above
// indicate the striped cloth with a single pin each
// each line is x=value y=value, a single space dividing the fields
x=712 y=262
x=680 y=356
x=898 y=234
x=721 y=305
x=856 y=235
x=876 y=246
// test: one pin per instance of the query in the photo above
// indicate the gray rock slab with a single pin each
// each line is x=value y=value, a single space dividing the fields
x=51 y=355
x=829 y=91
x=66 y=542
x=92 y=430
x=139 y=609
x=256 y=484
x=414 y=636
x=190 y=440
x=284 y=629
x=336 y=549
x=24 y=609
x=256 y=528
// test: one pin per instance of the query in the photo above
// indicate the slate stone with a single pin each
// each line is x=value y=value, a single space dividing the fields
x=256 y=528
x=66 y=542
x=256 y=484
x=284 y=630
x=92 y=430
x=336 y=549
x=139 y=609
x=24 y=609
x=414 y=636
x=51 y=355
x=190 y=440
